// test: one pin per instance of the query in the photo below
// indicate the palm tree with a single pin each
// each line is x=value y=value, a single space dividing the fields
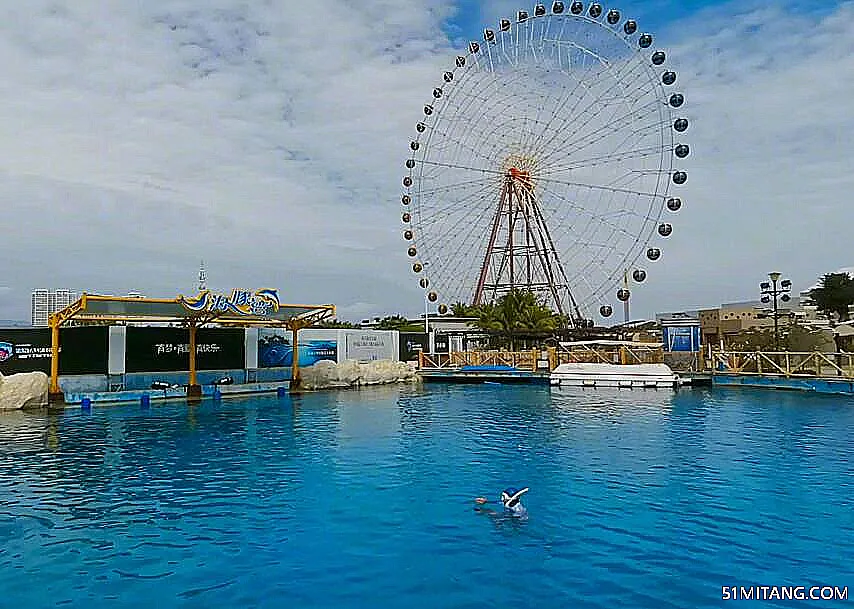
x=517 y=313
x=461 y=309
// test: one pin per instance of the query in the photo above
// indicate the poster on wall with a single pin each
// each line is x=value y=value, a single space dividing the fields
x=275 y=349
x=83 y=350
x=411 y=344
x=441 y=344
x=157 y=349
x=369 y=346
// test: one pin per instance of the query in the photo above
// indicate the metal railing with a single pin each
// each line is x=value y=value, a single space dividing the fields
x=523 y=360
x=785 y=363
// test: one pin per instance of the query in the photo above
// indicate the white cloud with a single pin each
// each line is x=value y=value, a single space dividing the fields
x=769 y=180
x=268 y=139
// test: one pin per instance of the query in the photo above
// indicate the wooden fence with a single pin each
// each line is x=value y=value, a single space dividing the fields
x=523 y=360
x=785 y=363
x=544 y=359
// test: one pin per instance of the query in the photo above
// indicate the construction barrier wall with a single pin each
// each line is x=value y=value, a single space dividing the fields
x=120 y=358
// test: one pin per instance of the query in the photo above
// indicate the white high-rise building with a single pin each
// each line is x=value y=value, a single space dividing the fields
x=46 y=302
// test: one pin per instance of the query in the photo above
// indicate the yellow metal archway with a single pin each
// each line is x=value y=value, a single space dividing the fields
x=239 y=309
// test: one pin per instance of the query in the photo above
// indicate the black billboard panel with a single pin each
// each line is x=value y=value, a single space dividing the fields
x=82 y=350
x=156 y=349
x=24 y=350
x=411 y=344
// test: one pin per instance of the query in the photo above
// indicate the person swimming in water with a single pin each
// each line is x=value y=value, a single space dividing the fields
x=511 y=501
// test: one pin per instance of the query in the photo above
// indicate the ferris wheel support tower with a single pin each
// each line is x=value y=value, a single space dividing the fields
x=520 y=253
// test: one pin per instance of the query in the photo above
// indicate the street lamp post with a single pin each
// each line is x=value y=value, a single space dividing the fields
x=772 y=292
x=426 y=314
x=425 y=283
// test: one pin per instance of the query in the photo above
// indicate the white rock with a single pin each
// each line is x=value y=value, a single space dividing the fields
x=24 y=390
x=327 y=374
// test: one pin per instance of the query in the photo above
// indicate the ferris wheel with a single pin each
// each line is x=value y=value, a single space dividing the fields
x=544 y=160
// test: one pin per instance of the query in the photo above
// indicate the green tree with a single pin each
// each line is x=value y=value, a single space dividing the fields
x=397 y=322
x=834 y=295
x=461 y=309
x=517 y=314
x=793 y=337
x=336 y=323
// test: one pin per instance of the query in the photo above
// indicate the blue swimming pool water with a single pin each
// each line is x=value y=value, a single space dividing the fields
x=364 y=499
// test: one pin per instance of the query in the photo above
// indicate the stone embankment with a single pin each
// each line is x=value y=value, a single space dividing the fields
x=329 y=375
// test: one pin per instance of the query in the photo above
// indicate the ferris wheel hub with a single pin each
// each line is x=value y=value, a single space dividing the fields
x=522 y=177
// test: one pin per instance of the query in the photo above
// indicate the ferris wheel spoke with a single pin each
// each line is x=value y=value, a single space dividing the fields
x=454 y=231
x=455 y=185
x=586 y=111
x=564 y=199
x=461 y=143
x=604 y=188
x=541 y=107
x=632 y=176
x=465 y=247
x=558 y=114
x=585 y=51
x=606 y=159
x=462 y=119
x=444 y=214
x=613 y=126
x=592 y=216
x=456 y=166
x=647 y=113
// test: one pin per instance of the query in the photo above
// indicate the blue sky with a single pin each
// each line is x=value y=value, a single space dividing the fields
x=661 y=16
x=140 y=137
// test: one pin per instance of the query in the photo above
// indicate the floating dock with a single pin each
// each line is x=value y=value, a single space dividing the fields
x=75 y=399
x=833 y=386
x=483 y=374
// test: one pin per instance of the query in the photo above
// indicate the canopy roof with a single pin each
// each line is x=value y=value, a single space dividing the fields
x=203 y=309
x=610 y=343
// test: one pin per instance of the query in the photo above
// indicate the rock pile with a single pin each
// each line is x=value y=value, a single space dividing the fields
x=24 y=390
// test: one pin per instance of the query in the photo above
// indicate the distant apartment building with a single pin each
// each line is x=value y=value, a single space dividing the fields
x=45 y=302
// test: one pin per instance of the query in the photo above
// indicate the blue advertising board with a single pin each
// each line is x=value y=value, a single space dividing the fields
x=276 y=351
x=681 y=338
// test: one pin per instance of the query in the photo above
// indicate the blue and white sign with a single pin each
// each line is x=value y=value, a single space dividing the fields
x=684 y=339
x=239 y=302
